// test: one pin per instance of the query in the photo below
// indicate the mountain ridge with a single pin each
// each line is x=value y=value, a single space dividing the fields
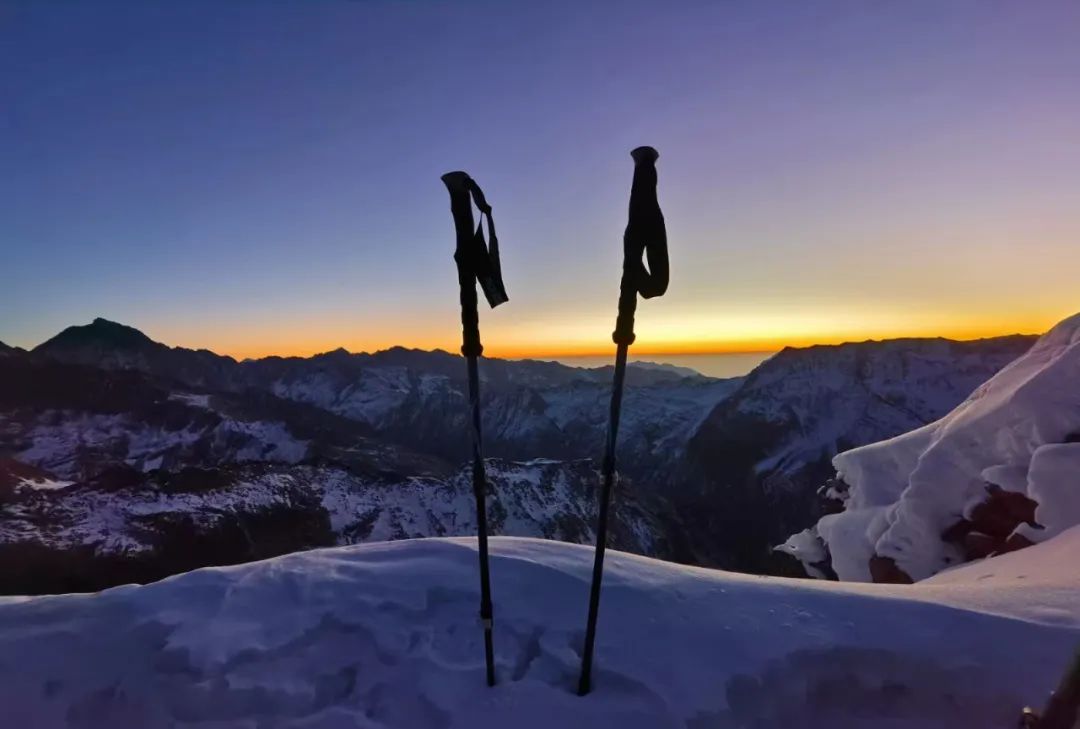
x=102 y=329
x=724 y=468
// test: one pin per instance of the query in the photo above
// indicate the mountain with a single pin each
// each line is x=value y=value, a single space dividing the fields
x=418 y=398
x=753 y=466
x=78 y=422
x=113 y=476
x=997 y=473
x=385 y=635
x=713 y=471
x=530 y=409
x=109 y=345
x=6 y=351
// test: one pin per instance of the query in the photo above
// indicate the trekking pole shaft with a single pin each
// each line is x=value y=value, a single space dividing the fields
x=585 y=682
x=459 y=184
x=479 y=491
x=1064 y=706
x=645 y=236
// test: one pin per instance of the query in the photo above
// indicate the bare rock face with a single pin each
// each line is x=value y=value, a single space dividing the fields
x=992 y=524
x=978 y=545
x=884 y=569
x=1002 y=512
x=1013 y=543
x=14 y=474
x=990 y=530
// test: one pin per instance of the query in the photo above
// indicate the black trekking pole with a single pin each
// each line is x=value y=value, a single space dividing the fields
x=476 y=262
x=1063 y=708
x=645 y=235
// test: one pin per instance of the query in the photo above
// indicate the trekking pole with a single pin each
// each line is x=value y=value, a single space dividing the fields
x=476 y=262
x=1063 y=709
x=645 y=235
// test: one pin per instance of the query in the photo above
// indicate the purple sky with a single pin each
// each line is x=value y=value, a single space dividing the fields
x=264 y=177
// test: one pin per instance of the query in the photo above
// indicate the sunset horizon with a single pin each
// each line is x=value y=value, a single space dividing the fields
x=702 y=348
x=282 y=195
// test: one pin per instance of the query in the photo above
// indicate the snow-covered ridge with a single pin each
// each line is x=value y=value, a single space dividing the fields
x=837 y=393
x=1000 y=471
x=384 y=636
x=758 y=458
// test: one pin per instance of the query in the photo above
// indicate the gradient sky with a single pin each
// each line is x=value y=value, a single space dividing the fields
x=264 y=177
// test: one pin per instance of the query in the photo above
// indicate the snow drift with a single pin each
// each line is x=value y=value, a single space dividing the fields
x=385 y=635
x=999 y=472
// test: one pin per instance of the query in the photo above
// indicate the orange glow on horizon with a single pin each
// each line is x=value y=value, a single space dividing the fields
x=702 y=346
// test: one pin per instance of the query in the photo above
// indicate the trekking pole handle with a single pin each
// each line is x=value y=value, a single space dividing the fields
x=645 y=238
x=460 y=185
x=476 y=261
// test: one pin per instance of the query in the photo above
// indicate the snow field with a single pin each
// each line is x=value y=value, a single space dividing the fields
x=386 y=635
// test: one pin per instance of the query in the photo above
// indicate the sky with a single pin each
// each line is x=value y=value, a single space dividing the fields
x=260 y=178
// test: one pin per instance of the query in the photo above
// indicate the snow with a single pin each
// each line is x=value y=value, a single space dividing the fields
x=1039 y=583
x=530 y=408
x=539 y=498
x=385 y=635
x=99 y=519
x=57 y=438
x=1054 y=482
x=267 y=441
x=201 y=401
x=43 y=484
x=370 y=397
x=808 y=549
x=1014 y=430
x=829 y=397
x=852 y=527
